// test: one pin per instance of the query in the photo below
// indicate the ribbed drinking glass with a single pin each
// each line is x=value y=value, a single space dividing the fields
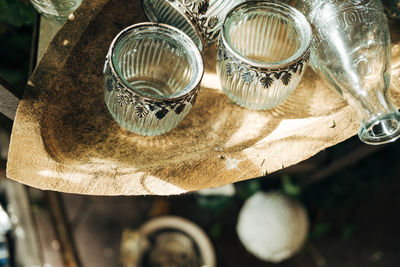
x=152 y=77
x=200 y=19
x=262 y=53
x=56 y=9
x=351 y=49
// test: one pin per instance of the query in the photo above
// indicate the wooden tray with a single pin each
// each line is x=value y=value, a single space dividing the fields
x=64 y=139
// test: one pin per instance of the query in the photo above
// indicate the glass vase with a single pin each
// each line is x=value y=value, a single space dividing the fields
x=262 y=54
x=152 y=76
x=200 y=19
x=351 y=49
x=56 y=9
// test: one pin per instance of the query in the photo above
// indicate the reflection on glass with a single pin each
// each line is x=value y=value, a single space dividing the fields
x=351 y=49
x=262 y=53
x=200 y=19
x=56 y=9
x=152 y=77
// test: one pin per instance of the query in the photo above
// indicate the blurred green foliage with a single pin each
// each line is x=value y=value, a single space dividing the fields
x=16 y=13
x=246 y=189
x=213 y=203
x=290 y=188
x=320 y=229
x=16 y=26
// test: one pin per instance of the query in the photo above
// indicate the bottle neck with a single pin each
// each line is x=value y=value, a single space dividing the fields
x=379 y=119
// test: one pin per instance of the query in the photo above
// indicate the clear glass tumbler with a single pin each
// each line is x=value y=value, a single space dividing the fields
x=56 y=9
x=262 y=53
x=200 y=19
x=351 y=48
x=152 y=77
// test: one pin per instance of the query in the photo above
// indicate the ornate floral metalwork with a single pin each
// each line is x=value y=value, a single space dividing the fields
x=230 y=68
x=247 y=77
x=202 y=7
x=266 y=81
x=197 y=13
x=266 y=77
x=143 y=105
x=124 y=98
x=141 y=111
x=286 y=77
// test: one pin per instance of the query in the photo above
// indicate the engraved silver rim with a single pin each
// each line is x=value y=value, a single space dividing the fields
x=183 y=12
x=288 y=12
x=171 y=30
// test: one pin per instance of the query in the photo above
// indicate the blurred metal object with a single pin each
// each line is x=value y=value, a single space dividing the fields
x=173 y=249
x=9 y=99
x=133 y=246
x=69 y=253
x=5 y=227
x=4 y=143
x=5 y=223
x=167 y=241
x=23 y=231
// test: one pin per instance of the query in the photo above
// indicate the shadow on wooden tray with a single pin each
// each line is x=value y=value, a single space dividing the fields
x=78 y=128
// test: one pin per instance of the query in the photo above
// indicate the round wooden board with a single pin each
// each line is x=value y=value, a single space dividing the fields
x=64 y=139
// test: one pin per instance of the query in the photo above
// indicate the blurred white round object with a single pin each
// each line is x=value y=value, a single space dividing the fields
x=271 y=226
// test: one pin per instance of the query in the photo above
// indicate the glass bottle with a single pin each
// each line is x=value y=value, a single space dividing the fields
x=56 y=9
x=351 y=49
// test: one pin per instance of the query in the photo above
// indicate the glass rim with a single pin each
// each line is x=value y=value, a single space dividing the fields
x=169 y=30
x=183 y=12
x=290 y=13
x=365 y=132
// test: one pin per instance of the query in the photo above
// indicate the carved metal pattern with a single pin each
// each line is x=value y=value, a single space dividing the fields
x=196 y=12
x=143 y=105
x=266 y=77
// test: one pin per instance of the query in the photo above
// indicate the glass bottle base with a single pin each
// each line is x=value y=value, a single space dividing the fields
x=381 y=129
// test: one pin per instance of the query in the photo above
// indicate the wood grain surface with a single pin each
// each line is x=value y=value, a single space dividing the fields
x=64 y=139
